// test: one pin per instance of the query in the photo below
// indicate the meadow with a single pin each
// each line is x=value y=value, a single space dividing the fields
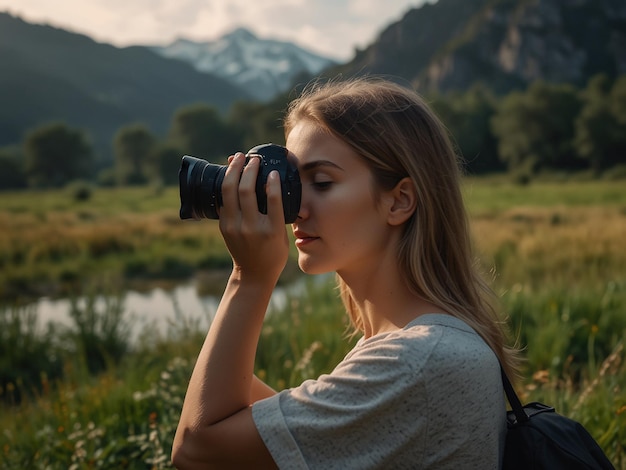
x=85 y=396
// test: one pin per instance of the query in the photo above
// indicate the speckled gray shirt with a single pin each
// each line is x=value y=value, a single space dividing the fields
x=427 y=396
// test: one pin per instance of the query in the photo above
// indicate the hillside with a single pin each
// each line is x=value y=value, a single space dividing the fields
x=505 y=44
x=51 y=74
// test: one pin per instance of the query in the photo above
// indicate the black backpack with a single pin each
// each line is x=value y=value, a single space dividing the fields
x=539 y=438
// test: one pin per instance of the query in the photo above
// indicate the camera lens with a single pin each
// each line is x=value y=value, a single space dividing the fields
x=200 y=188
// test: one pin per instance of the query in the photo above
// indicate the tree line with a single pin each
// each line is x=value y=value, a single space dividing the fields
x=545 y=128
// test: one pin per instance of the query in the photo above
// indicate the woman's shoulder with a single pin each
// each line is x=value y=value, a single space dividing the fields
x=439 y=321
x=432 y=341
x=432 y=328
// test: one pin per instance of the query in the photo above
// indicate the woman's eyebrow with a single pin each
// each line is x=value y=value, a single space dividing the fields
x=319 y=163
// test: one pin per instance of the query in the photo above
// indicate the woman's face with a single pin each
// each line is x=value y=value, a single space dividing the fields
x=340 y=225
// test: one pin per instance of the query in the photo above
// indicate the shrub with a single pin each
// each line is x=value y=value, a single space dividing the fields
x=80 y=190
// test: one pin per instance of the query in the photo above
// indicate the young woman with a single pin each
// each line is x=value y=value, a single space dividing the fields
x=381 y=207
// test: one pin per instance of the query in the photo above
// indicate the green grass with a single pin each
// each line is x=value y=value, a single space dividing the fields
x=103 y=201
x=53 y=245
x=85 y=397
x=496 y=194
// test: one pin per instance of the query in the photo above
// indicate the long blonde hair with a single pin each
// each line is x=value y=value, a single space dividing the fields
x=397 y=135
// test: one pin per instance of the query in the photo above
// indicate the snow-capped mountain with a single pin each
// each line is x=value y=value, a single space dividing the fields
x=264 y=67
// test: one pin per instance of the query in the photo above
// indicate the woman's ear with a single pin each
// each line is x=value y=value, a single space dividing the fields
x=403 y=198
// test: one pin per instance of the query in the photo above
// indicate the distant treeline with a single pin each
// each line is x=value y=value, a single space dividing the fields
x=546 y=128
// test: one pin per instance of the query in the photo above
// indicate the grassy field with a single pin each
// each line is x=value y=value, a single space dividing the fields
x=85 y=397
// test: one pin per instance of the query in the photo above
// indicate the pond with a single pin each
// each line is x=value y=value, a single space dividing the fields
x=157 y=307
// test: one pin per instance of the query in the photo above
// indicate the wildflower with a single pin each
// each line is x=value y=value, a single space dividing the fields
x=541 y=376
x=306 y=358
x=613 y=358
x=94 y=432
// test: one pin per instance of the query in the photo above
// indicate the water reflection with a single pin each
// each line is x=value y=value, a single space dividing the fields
x=157 y=307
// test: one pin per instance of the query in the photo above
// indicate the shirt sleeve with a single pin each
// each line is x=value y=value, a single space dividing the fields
x=332 y=422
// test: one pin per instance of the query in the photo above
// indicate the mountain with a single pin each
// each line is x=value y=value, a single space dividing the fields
x=264 y=67
x=51 y=74
x=504 y=44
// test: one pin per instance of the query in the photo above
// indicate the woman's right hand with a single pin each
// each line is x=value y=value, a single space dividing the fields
x=258 y=243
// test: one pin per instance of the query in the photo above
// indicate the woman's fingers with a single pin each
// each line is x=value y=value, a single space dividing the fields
x=275 y=199
x=230 y=186
x=247 y=190
x=239 y=192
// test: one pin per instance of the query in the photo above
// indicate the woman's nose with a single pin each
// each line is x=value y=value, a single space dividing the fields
x=304 y=210
x=302 y=213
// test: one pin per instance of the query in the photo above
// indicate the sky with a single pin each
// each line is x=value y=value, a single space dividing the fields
x=332 y=28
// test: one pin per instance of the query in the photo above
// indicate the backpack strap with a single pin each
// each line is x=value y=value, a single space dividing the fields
x=514 y=401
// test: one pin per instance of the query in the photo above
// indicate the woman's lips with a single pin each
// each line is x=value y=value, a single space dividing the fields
x=300 y=242
x=303 y=239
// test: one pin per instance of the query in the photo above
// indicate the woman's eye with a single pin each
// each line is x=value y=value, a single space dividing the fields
x=322 y=185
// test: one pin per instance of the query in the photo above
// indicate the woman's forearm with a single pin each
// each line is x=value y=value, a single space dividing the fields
x=221 y=383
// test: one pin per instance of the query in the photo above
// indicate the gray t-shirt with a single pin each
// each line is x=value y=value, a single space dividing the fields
x=427 y=396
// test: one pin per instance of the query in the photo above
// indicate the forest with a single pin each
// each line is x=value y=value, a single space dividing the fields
x=546 y=129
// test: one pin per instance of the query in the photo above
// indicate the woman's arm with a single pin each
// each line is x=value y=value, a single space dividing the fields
x=216 y=425
x=260 y=390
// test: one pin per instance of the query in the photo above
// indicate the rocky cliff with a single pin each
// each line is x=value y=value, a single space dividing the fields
x=505 y=44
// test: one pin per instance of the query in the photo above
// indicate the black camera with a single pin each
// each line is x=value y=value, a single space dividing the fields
x=201 y=183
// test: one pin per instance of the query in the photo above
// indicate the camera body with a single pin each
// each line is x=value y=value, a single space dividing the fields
x=201 y=183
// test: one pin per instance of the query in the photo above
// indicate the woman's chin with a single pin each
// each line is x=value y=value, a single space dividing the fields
x=307 y=266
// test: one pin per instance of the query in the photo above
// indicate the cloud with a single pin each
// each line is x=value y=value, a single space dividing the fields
x=330 y=27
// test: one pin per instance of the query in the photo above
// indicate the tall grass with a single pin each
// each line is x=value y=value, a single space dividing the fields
x=564 y=246
x=87 y=396
x=126 y=417
x=574 y=356
x=52 y=244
